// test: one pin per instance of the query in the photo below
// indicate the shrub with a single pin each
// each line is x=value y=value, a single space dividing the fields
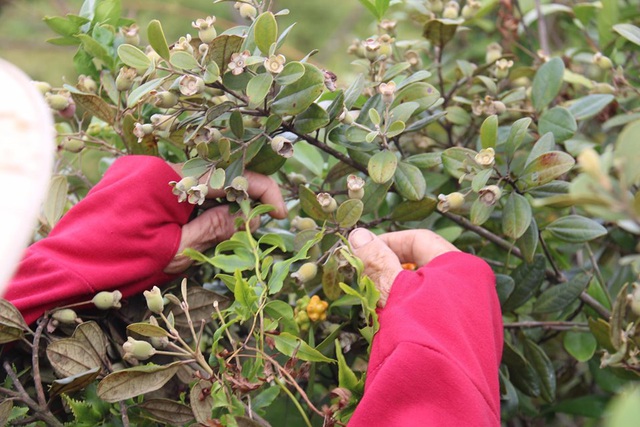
x=471 y=130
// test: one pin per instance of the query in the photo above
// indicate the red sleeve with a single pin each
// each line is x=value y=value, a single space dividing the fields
x=121 y=236
x=435 y=359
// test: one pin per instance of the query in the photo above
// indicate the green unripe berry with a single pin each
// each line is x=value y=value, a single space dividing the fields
x=140 y=350
x=306 y=272
x=57 y=101
x=106 y=300
x=43 y=87
x=72 y=145
x=65 y=316
x=301 y=224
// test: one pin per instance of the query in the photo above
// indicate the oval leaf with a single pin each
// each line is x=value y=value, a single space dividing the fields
x=576 y=229
x=558 y=297
x=258 y=88
x=349 y=212
x=547 y=83
x=289 y=345
x=132 y=382
x=265 y=32
x=71 y=357
x=133 y=57
x=298 y=96
x=410 y=182
x=382 y=166
x=516 y=216
x=157 y=39
x=546 y=167
x=527 y=279
x=560 y=122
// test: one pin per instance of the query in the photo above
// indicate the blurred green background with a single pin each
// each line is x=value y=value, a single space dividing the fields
x=327 y=25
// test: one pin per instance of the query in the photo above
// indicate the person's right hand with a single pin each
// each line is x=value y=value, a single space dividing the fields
x=384 y=255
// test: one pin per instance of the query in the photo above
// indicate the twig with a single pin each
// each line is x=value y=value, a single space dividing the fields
x=35 y=361
x=556 y=325
x=123 y=414
x=543 y=34
x=559 y=276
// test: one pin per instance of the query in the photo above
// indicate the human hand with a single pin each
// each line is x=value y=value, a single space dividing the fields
x=216 y=225
x=384 y=255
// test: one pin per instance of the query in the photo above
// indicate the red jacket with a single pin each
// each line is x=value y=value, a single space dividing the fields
x=434 y=361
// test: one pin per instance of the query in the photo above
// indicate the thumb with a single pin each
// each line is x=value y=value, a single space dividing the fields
x=381 y=264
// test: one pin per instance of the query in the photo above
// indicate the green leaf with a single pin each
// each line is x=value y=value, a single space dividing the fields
x=521 y=373
x=480 y=212
x=543 y=367
x=310 y=205
x=133 y=57
x=576 y=229
x=309 y=156
x=183 y=60
x=627 y=153
x=236 y=124
x=527 y=279
x=217 y=179
x=291 y=73
x=395 y=129
x=143 y=90
x=546 y=167
x=547 y=83
x=56 y=200
x=440 y=31
x=298 y=96
x=560 y=122
x=480 y=180
x=629 y=32
x=516 y=216
x=410 y=182
x=558 y=297
x=528 y=242
x=132 y=382
x=370 y=7
x=425 y=160
x=265 y=398
x=157 y=39
x=504 y=287
x=312 y=119
x=258 y=88
x=95 y=105
x=382 y=166
x=581 y=345
x=489 y=132
x=590 y=105
x=543 y=145
x=353 y=91
x=265 y=32
x=607 y=17
x=349 y=213
x=221 y=49
x=107 y=12
x=456 y=159
x=517 y=134
x=420 y=92
x=331 y=278
x=410 y=210
x=346 y=378
x=73 y=383
x=62 y=26
x=281 y=268
x=374 y=195
x=289 y=345
x=95 y=49
x=195 y=167
x=148 y=330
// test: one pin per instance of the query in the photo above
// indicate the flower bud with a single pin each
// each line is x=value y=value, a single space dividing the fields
x=355 y=187
x=413 y=58
x=470 y=9
x=43 y=87
x=317 y=309
x=131 y=34
x=296 y=178
x=66 y=316
x=72 y=145
x=275 y=63
x=346 y=117
x=450 y=202
x=306 y=272
x=191 y=85
x=387 y=90
x=165 y=99
x=602 y=61
x=327 y=203
x=237 y=190
x=87 y=84
x=486 y=157
x=155 y=302
x=106 y=300
x=247 y=11
x=206 y=30
x=589 y=161
x=450 y=11
x=502 y=67
x=282 y=146
x=499 y=107
x=140 y=350
x=435 y=6
x=125 y=78
x=302 y=224
x=494 y=52
x=58 y=101
x=490 y=194
x=371 y=48
x=603 y=88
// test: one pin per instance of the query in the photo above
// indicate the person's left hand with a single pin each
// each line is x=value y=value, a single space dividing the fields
x=216 y=225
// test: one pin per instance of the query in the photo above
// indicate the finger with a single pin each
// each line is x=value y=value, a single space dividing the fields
x=380 y=263
x=417 y=246
x=213 y=226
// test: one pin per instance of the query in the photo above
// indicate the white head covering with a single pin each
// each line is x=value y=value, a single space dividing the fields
x=26 y=157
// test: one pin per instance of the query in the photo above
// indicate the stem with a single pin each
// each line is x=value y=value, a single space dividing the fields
x=559 y=276
x=596 y=269
x=294 y=400
x=557 y=325
x=543 y=34
x=35 y=361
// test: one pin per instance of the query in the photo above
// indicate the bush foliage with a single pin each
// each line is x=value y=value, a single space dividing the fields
x=472 y=130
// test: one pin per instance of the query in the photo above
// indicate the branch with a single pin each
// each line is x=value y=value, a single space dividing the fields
x=556 y=325
x=35 y=361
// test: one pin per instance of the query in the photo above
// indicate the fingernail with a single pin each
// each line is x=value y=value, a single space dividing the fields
x=360 y=237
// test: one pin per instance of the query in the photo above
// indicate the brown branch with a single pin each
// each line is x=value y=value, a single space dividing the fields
x=35 y=362
x=556 y=325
